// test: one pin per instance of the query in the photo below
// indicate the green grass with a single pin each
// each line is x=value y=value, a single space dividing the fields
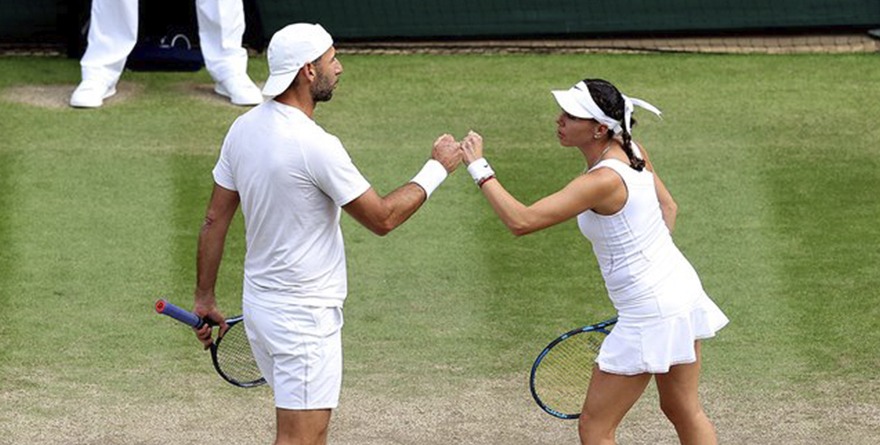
x=773 y=161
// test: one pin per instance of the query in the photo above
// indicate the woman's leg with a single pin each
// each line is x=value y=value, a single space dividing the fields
x=609 y=398
x=680 y=401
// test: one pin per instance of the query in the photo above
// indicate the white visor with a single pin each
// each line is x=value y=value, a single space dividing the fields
x=578 y=102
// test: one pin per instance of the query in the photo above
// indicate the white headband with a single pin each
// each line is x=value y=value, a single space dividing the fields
x=581 y=95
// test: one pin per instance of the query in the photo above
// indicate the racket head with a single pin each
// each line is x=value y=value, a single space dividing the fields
x=561 y=373
x=233 y=358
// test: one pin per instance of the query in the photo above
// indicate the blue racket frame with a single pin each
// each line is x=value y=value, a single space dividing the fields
x=602 y=327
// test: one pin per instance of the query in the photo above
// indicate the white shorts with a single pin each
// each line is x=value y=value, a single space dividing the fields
x=299 y=352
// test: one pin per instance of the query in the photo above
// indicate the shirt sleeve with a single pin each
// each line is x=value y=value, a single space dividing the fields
x=223 y=169
x=335 y=173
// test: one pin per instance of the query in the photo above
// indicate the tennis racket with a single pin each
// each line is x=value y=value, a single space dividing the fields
x=231 y=352
x=561 y=373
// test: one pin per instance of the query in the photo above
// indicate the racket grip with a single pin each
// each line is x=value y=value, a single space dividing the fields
x=166 y=308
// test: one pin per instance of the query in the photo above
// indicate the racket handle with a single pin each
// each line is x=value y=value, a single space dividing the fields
x=166 y=308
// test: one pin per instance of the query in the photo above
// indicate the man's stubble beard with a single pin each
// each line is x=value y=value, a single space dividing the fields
x=322 y=89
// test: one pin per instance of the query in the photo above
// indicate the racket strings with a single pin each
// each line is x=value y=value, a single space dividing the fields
x=562 y=379
x=234 y=357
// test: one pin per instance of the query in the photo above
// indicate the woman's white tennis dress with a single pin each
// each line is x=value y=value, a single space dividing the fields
x=661 y=304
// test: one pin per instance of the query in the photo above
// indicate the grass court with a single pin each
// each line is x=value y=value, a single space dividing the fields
x=773 y=160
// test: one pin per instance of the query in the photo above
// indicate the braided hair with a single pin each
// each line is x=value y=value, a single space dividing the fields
x=609 y=99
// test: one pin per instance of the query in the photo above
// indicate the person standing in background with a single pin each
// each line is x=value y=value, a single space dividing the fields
x=113 y=33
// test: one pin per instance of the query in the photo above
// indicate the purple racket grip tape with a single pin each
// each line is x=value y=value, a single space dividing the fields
x=181 y=315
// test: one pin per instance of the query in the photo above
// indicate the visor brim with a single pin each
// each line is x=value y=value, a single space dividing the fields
x=567 y=101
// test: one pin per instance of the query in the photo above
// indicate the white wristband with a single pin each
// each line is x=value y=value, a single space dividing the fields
x=430 y=176
x=480 y=169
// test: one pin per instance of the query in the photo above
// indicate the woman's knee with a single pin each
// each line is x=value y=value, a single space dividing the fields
x=682 y=413
x=593 y=430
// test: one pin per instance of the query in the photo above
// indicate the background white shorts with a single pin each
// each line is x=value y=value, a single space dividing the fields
x=299 y=352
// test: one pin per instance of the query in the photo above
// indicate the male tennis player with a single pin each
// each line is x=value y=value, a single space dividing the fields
x=291 y=178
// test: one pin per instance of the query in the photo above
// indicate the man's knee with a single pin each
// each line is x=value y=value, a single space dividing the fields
x=308 y=427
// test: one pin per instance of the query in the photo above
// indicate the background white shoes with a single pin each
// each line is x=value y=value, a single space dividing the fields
x=91 y=93
x=239 y=89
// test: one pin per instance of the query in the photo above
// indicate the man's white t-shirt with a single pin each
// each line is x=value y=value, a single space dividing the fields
x=293 y=178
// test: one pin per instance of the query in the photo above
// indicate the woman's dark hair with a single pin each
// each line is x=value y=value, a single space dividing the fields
x=609 y=99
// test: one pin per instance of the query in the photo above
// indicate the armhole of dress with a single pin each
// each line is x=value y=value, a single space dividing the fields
x=608 y=165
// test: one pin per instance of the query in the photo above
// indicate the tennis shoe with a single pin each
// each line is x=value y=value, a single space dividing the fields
x=91 y=93
x=240 y=90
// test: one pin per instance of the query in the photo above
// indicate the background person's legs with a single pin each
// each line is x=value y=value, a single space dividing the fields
x=113 y=29
x=221 y=27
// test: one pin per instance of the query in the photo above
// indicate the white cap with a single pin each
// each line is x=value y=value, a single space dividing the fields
x=289 y=50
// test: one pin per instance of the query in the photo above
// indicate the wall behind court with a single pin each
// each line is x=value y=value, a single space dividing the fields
x=60 y=22
x=389 y=19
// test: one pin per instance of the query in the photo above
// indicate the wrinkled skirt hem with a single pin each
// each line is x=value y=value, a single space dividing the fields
x=656 y=344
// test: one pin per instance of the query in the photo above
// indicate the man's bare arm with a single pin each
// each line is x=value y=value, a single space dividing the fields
x=212 y=239
x=383 y=214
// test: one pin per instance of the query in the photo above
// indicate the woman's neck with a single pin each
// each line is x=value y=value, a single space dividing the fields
x=597 y=152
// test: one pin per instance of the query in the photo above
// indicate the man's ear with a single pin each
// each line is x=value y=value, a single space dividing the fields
x=309 y=70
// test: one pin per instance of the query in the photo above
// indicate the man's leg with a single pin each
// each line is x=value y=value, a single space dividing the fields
x=299 y=352
x=302 y=427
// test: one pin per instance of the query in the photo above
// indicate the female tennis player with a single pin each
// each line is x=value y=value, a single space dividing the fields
x=626 y=212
